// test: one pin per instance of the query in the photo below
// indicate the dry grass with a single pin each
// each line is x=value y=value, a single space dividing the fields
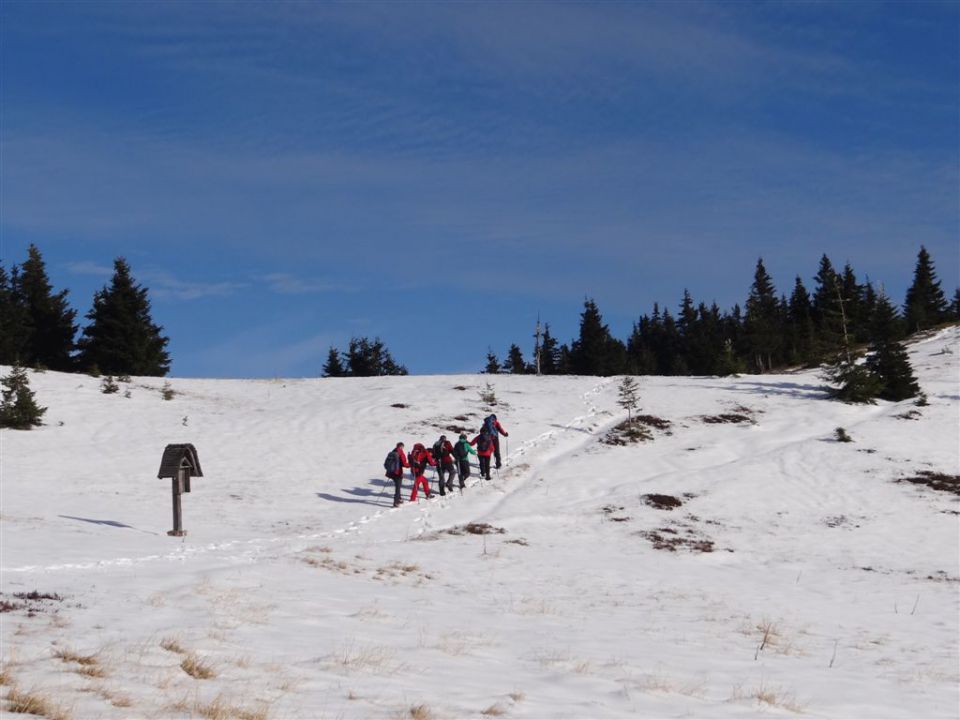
x=421 y=712
x=220 y=709
x=494 y=711
x=34 y=703
x=173 y=645
x=197 y=668
x=70 y=656
x=93 y=671
x=517 y=696
x=5 y=677
x=766 y=695
x=369 y=658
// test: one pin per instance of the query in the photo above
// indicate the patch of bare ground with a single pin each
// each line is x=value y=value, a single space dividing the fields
x=476 y=529
x=518 y=541
x=612 y=513
x=661 y=502
x=935 y=481
x=33 y=602
x=654 y=422
x=627 y=433
x=909 y=415
x=667 y=538
x=728 y=418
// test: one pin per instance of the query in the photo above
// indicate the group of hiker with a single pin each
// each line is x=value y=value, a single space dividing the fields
x=448 y=458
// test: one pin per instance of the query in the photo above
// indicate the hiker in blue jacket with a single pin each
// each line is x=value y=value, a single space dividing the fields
x=493 y=426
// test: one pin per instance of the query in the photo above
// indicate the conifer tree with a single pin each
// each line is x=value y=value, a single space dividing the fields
x=888 y=359
x=925 y=304
x=641 y=359
x=627 y=397
x=827 y=310
x=121 y=338
x=762 y=328
x=333 y=367
x=549 y=352
x=12 y=320
x=49 y=321
x=366 y=358
x=852 y=293
x=596 y=352
x=493 y=364
x=18 y=408
x=801 y=333
x=955 y=306
x=515 y=364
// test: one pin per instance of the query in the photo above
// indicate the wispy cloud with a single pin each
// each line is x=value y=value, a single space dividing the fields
x=88 y=267
x=166 y=286
x=287 y=284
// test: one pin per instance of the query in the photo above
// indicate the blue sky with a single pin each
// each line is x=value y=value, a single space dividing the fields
x=283 y=176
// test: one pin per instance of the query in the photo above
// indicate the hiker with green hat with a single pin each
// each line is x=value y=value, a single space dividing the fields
x=462 y=452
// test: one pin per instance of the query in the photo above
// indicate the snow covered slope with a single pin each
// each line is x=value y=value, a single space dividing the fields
x=793 y=574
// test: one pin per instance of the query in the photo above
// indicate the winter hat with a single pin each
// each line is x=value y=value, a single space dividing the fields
x=443 y=438
x=463 y=436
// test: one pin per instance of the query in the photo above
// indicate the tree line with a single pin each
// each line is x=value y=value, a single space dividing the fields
x=769 y=332
x=38 y=327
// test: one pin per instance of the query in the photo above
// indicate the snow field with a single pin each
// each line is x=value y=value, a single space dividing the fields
x=830 y=590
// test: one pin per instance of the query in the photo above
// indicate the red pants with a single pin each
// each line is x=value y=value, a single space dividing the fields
x=416 y=483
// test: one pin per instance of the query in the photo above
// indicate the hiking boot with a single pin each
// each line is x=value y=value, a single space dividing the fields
x=462 y=486
x=450 y=486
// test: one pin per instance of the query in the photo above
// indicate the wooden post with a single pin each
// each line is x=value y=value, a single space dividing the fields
x=177 y=486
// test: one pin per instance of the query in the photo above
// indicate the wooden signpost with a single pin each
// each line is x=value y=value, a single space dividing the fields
x=179 y=463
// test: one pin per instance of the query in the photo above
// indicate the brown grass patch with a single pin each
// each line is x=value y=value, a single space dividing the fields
x=70 y=656
x=173 y=645
x=197 y=668
x=421 y=712
x=34 y=703
x=494 y=711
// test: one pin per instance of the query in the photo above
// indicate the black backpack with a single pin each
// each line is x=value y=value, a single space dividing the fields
x=483 y=442
x=392 y=463
x=459 y=451
x=438 y=451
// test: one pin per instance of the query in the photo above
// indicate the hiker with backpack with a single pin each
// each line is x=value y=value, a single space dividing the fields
x=462 y=452
x=394 y=464
x=484 y=444
x=493 y=426
x=443 y=454
x=420 y=457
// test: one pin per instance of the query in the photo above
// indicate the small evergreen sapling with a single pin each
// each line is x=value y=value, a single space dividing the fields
x=108 y=385
x=167 y=392
x=628 y=399
x=18 y=409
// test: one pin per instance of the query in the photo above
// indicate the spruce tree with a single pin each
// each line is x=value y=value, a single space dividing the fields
x=515 y=364
x=827 y=310
x=549 y=353
x=800 y=328
x=762 y=326
x=627 y=397
x=18 y=408
x=12 y=318
x=955 y=306
x=887 y=358
x=366 y=358
x=925 y=304
x=493 y=364
x=333 y=367
x=121 y=338
x=596 y=352
x=49 y=321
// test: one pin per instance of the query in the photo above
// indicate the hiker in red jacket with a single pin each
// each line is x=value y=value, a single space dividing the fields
x=395 y=463
x=443 y=454
x=484 y=444
x=420 y=457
